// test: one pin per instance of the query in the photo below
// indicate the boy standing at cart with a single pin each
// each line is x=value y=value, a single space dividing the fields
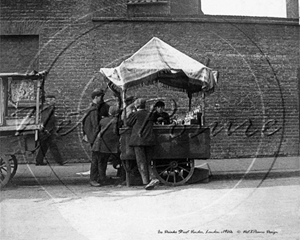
x=91 y=128
x=107 y=142
x=142 y=140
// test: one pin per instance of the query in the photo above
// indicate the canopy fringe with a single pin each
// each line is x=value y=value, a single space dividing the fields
x=115 y=88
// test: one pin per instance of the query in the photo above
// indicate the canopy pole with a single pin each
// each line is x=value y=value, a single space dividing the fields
x=203 y=100
x=125 y=162
x=37 y=102
x=124 y=106
x=37 y=109
x=203 y=109
x=190 y=100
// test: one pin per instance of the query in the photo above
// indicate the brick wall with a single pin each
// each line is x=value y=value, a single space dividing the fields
x=258 y=83
x=255 y=109
x=146 y=8
x=17 y=53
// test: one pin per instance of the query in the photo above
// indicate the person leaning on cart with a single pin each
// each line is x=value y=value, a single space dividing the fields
x=48 y=133
x=91 y=128
x=142 y=140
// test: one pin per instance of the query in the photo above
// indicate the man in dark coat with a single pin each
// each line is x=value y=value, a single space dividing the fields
x=91 y=128
x=48 y=133
x=142 y=140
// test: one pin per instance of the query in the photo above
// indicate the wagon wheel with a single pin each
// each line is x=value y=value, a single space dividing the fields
x=173 y=172
x=13 y=165
x=5 y=171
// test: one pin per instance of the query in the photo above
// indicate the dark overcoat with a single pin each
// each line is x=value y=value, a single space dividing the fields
x=48 y=118
x=91 y=123
x=142 y=134
x=107 y=140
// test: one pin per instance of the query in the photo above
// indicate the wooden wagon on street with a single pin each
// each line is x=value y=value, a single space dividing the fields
x=177 y=145
x=20 y=100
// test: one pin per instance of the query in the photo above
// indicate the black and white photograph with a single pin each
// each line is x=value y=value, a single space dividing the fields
x=149 y=119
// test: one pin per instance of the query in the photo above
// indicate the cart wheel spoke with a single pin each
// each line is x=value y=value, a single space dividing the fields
x=5 y=171
x=13 y=166
x=168 y=178
x=163 y=171
x=2 y=176
x=180 y=175
x=183 y=169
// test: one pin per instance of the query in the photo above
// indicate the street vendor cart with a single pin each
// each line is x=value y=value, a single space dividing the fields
x=178 y=144
x=20 y=100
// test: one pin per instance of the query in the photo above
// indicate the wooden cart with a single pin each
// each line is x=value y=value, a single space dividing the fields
x=20 y=99
x=176 y=145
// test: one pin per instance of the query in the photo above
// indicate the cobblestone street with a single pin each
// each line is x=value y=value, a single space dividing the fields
x=43 y=204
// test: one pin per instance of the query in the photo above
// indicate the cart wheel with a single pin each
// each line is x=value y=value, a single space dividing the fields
x=13 y=165
x=5 y=171
x=173 y=172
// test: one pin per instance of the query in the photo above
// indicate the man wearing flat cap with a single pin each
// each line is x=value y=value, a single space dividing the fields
x=142 y=140
x=91 y=128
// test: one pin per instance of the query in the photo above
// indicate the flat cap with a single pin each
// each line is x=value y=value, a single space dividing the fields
x=113 y=110
x=159 y=104
x=130 y=100
x=97 y=92
x=140 y=103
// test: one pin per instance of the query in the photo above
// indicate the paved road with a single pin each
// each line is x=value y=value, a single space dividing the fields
x=56 y=203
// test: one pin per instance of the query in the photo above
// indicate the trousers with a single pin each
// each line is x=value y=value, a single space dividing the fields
x=99 y=166
x=48 y=142
x=143 y=155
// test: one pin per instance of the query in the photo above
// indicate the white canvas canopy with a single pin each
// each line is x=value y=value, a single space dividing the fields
x=158 y=61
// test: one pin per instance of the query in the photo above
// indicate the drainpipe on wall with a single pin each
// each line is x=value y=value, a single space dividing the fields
x=298 y=76
x=292 y=9
x=200 y=8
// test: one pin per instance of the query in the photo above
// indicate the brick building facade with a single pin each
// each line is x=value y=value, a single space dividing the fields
x=253 y=112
